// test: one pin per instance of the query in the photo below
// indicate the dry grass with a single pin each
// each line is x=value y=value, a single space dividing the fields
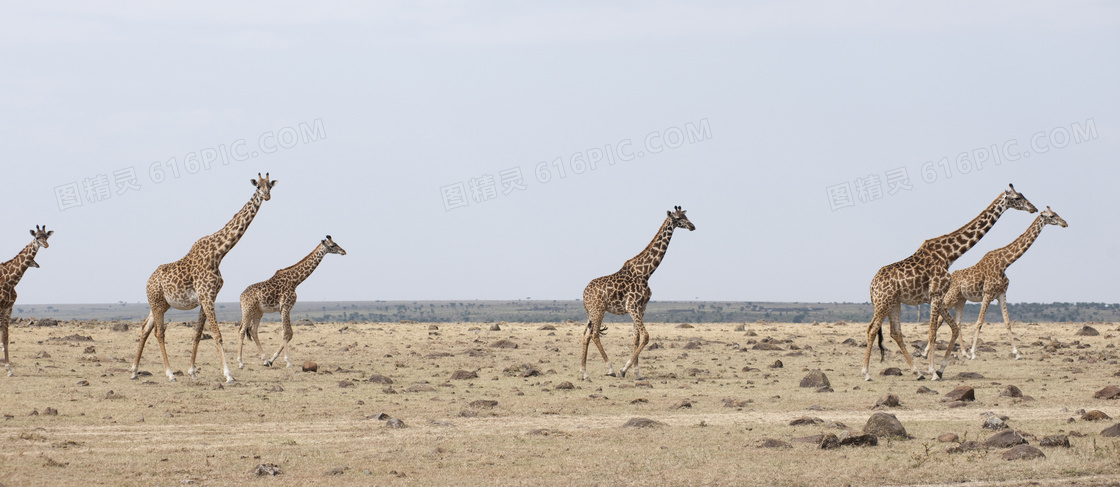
x=151 y=432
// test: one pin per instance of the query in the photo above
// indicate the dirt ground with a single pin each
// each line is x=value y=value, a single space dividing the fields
x=506 y=407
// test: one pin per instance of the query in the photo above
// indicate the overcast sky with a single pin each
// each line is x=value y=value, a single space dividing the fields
x=448 y=147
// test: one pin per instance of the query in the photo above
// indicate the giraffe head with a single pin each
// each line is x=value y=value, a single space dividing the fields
x=679 y=220
x=264 y=185
x=332 y=248
x=1050 y=218
x=41 y=235
x=1016 y=200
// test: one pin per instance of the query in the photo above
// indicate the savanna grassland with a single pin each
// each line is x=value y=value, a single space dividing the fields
x=478 y=406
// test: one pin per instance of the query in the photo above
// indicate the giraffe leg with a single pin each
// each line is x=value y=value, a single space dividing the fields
x=641 y=338
x=285 y=317
x=144 y=332
x=242 y=330
x=1007 y=321
x=197 y=338
x=925 y=351
x=208 y=308
x=590 y=334
x=896 y=334
x=979 y=325
x=939 y=308
x=873 y=330
x=4 y=322
x=161 y=331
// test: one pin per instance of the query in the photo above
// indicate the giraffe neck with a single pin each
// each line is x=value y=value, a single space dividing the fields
x=953 y=245
x=20 y=263
x=230 y=234
x=1012 y=251
x=646 y=262
x=303 y=269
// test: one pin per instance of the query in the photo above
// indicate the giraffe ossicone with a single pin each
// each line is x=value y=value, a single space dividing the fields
x=627 y=292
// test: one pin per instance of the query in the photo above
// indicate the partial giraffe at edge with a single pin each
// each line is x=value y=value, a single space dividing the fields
x=627 y=292
x=278 y=293
x=11 y=272
x=924 y=278
x=194 y=281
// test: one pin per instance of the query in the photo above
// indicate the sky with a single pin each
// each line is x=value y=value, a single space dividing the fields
x=511 y=150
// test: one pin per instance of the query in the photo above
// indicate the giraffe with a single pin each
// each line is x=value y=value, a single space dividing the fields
x=627 y=292
x=278 y=293
x=986 y=280
x=195 y=281
x=10 y=274
x=924 y=277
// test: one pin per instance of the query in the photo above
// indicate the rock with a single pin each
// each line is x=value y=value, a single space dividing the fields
x=887 y=401
x=336 y=471
x=806 y=420
x=1095 y=415
x=736 y=403
x=683 y=404
x=483 y=403
x=120 y=327
x=816 y=378
x=926 y=390
x=344 y=383
x=467 y=413
x=885 y=425
x=1023 y=452
x=1087 y=331
x=772 y=443
x=859 y=440
x=962 y=393
x=1011 y=391
x=46 y=322
x=49 y=411
x=547 y=328
x=495 y=327
x=565 y=386
x=969 y=375
x=766 y=346
x=890 y=370
x=464 y=375
x=1109 y=392
x=829 y=442
x=684 y=325
x=850 y=342
x=1111 y=431
x=523 y=370
x=83 y=383
x=963 y=447
x=691 y=345
x=642 y=423
x=503 y=343
x=310 y=366
x=265 y=469
x=1005 y=439
x=994 y=423
x=380 y=379
x=395 y=423
x=1055 y=440
x=948 y=438
x=776 y=365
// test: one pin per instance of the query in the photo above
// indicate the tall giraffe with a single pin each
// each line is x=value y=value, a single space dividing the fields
x=924 y=277
x=986 y=280
x=195 y=281
x=10 y=274
x=278 y=293
x=627 y=292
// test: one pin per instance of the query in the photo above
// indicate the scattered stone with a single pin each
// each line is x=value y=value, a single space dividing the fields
x=948 y=438
x=395 y=423
x=49 y=411
x=806 y=420
x=776 y=365
x=495 y=327
x=464 y=375
x=467 y=413
x=772 y=443
x=736 y=403
x=888 y=401
x=766 y=346
x=858 y=440
x=42 y=354
x=1011 y=391
x=547 y=328
x=71 y=338
x=1055 y=440
x=1087 y=331
x=829 y=441
x=1023 y=452
x=642 y=423
x=83 y=383
x=46 y=322
x=640 y=400
x=962 y=393
x=684 y=325
x=565 y=386
x=380 y=379
x=926 y=390
x=994 y=423
x=890 y=370
x=1005 y=439
x=966 y=446
x=309 y=366
x=1111 y=431
x=503 y=343
x=344 y=383
x=691 y=345
x=683 y=404
x=1109 y=392
x=1095 y=415
x=263 y=469
x=338 y=470
x=850 y=342
x=969 y=375
x=483 y=403
x=523 y=370
x=740 y=327
x=816 y=378
x=885 y=425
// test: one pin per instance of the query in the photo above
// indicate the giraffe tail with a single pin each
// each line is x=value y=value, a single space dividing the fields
x=602 y=329
x=882 y=351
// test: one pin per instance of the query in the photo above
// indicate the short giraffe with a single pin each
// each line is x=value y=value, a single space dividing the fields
x=987 y=280
x=627 y=292
x=924 y=277
x=195 y=281
x=10 y=274
x=278 y=293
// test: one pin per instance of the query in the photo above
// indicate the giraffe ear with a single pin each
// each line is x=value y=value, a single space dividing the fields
x=667 y=212
x=272 y=184
x=32 y=232
x=254 y=181
x=50 y=233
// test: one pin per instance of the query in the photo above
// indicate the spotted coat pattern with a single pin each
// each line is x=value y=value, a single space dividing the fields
x=10 y=274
